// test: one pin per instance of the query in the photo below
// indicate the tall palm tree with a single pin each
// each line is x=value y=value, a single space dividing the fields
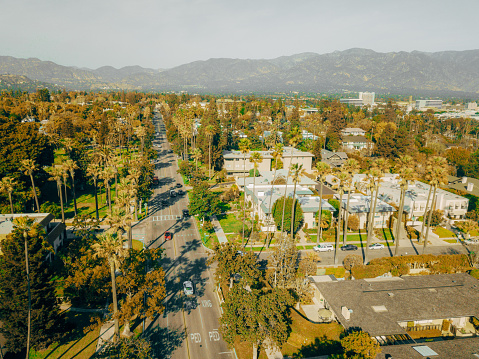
x=8 y=185
x=256 y=159
x=437 y=176
x=342 y=178
x=244 y=146
x=65 y=181
x=107 y=175
x=71 y=166
x=56 y=174
x=209 y=132
x=296 y=173
x=116 y=163
x=28 y=166
x=134 y=176
x=197 y=156
x=124 y=199
x=322 y=170
x=25 y=224
x=93 y=171
x=277 y=155
x=352 y=167
x=110 y=247
x=407 y=173
x=140 y=132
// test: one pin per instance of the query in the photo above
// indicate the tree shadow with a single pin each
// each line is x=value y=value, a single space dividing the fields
x=320 y=346
x=165 y=341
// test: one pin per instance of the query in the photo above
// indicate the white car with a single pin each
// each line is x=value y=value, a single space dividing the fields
x=188 y=288
x=324 y=248
x=376 y=246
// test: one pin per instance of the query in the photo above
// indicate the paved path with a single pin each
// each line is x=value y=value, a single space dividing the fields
x=219 y=230
x=107 y=331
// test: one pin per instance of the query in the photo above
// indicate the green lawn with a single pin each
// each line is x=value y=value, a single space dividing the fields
x=230 y=223
x=443 y=232
x=450 y=240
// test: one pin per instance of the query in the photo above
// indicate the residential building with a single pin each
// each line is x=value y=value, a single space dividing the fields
x=266 y=134
x=352 y=101
x=421 y=104
x=356 y=143
x=389 y=309
x=353 y=131
x=334 y=159
x=267 y=177
x=360 y=204
x=309 y=110
x=235 y=164
x=465 y=184
x=308 y=136
x=365 y=98
x=291 y=154
x=55 y=231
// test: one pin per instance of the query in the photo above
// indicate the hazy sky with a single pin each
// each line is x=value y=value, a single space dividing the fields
x=167 y=33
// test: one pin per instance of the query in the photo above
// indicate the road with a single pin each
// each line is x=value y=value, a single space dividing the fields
x=188 y=328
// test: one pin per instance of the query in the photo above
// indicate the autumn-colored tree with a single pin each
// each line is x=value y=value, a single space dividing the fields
x=360 y=343
x=8 y=185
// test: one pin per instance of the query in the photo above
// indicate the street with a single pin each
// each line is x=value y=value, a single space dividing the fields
x=188 y=328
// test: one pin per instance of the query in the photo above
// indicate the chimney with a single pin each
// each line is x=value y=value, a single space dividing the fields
x=464 y=179
x=470 y=187
x=345 y=312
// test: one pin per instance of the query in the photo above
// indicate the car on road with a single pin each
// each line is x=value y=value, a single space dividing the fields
x=172 y=193
x=170 y=151
x=168 y=236
x=376 y=246
x=155 y=180
x=180 y=192
x=188 y=288
x=186 y=213
x=324 y=248
x=178 y=185
x=471 y=241
x=349 y=247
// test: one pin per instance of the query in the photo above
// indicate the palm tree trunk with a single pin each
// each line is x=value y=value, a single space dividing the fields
x=336 y=251
x=346 y=218
x=425 y=212
x=35 y=193
x=244 y=196
x=74 y=196
x=61 y=202
x=11 y=201
x=271 y=198
x=96 y=199
x=399 y=222
x=429 y=218
x=29 y=296
x=210 y=160
x=115 y=301
x=130 y=237
x=286 y=189
x=371 y=225
x=109 y=196
x=116 y=185
x=292 y=211
x=252 y=200
x=320 y=213
x=66 y=195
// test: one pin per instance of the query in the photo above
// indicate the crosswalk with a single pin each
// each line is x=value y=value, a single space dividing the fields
x=166 y=217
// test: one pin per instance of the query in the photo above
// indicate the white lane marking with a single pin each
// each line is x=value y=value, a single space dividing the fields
x=195 y=337
x=203 y=326
x=214 y=335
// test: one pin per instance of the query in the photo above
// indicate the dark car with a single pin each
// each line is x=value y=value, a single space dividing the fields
x=178 y=185
x=186 y=213
x=168 y=236
x=180 y=192
x=349 y=247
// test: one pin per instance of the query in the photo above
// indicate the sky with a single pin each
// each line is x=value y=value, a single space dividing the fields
x=168 y=33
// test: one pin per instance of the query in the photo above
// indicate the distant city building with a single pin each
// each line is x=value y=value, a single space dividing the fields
x=428 y=103
x=471 y=106
x=365 y=98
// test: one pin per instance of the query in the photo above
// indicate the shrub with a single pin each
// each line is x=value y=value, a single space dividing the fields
x=474 y=273
x=352 y=260
x=353 y=222
x=412 y=233
x=368 y=271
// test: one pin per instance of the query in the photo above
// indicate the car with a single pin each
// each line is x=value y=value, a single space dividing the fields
x=172 y=193
x=376 y=246
x=170 y=151
x=178 y=185
x=324 y=248
x=168 y=236
x=188 y=288
x=186 y=213
x=471 y=241
x=180 y=192
x=349 y=247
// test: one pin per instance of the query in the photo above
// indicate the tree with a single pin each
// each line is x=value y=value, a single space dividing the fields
x=282 y=214
x=107 y=175
x=126 y=348
x=351 y=166
x=296 y=173
x=351 y=261
x=256 y=159
x=322 y=169
x=209 y=132
x=284 y=261
x=244 y=147
x=110 y=247
x=56 y=174
x=342 y=177
x=197 y=155
x=466 y=227
x=28 y=167
x=353 y=222
x=28 y=309
x=204 y=202
x=459 y=157
x=94 y=171
x=472 y=167
x=7 y=185
x=360 y=343
x=71 y=166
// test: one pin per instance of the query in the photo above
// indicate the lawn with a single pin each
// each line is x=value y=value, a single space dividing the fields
x=230 y=223
x=338 y=272
x=384 y=234
x=443 y=232
x=138 y=245
x=450 y=240
x=78 y=345
x=208 y=238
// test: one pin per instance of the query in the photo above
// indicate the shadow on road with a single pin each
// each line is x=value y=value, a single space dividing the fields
x=165 y=341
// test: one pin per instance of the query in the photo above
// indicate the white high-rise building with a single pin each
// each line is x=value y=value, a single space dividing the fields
x=367 y=97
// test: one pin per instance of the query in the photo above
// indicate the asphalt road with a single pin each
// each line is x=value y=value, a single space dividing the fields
x=188 y=328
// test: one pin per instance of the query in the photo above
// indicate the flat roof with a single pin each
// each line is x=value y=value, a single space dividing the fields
x=408 y=298
x=6 y=220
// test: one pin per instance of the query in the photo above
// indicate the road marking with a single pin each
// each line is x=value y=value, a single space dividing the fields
x=203 y=326
x=196 y=337
x=166 y=217
x=214 y=335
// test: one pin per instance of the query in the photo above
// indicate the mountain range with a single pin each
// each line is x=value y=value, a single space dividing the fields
x=448 y=72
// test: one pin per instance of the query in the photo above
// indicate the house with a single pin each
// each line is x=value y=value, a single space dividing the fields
x=293 y=155
x=267 y=178
x=235 y=164
x=359 y=205
x=356 y=143
x=353 y=131
x=465 y=184
x=266 y=134
x=308 y=135
x=390 y=308
x=55 y=231
x=334 y=159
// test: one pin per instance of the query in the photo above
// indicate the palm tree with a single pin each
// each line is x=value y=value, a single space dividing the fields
x=256 y=159
x=116 y=163
x=93 y=171
x=244 y=146
x=25 y=224
x=140 y=132
x=209 y=132
x=277 y=155
x=197 y=156
x=134 y=176
x=352 y=167
x=106 y=175
x=65 y=180
x=322 y=170
x=437 y=176
x=71 y=166
x=296 y=173
x=56 y=174
x=125 y=190
x=342 y=178
x=28 y=167
x=8 y=185
x=110 y=247
x=407 y=173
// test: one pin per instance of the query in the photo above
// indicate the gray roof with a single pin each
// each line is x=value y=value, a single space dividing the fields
x=238 y=154
x=327 y=155
x=360 y=203
x=408 y=298
x=456 y=183
x=6 y=224
x=266 y=177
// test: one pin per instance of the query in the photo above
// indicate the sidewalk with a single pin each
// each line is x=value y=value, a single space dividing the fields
x=219 y=230
x=107 y=331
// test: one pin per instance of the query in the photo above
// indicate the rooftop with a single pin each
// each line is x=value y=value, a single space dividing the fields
x=6 y=220
x=377 y=305
x=461 y=184
x=266 y=177
x=359 y=203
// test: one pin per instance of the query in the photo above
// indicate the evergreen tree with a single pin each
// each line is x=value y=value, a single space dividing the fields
x=278 y=212
x=46 y=320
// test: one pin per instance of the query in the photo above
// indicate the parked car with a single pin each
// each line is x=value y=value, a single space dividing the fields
x=172 y=193
x=471 y=241
x=188 y=288
x=180 y=192
x=178 y=185
x=324 y=248
x=168 y=236
x=349 y=247
x=376 y=246
x=155 y=180
x=186 y=213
